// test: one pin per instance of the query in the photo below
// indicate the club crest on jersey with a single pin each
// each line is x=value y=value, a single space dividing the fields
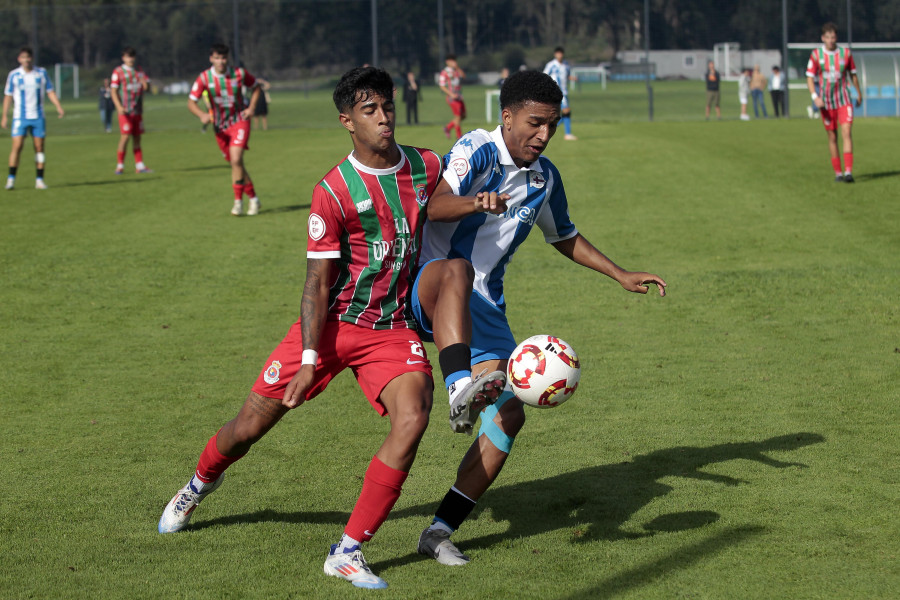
x=537 y=179
x=460 y=166
x=273 y=373
x=421 y=194
x=316 y=227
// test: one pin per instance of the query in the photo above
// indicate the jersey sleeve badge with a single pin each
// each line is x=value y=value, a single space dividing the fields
x=316 y=227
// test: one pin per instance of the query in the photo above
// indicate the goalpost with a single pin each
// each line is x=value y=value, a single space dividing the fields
x=63 y=73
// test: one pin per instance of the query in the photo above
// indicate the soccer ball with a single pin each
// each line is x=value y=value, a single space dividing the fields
x=543 y=371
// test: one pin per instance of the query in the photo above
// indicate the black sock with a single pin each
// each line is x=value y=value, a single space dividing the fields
x=12 y=171
x=40 y=173
x=454 y=509
x=455 y=358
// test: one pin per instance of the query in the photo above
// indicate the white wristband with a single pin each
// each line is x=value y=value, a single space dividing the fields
x=309 y=357
x=814 y=96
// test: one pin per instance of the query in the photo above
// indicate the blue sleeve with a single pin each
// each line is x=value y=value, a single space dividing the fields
x=553 y=218
x=49 y=86
x=469 y=159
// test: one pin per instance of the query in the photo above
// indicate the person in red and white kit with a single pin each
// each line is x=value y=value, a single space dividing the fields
x=450 y=82
x=128 y=84
x=230 y=119
x=833 y=66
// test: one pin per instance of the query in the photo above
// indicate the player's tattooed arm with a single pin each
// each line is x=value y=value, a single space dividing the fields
x=313 y=310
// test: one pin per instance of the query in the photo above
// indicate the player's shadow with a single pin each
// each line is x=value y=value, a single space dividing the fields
x=116 y=181
x=215 y=167
x=872 y=176
x=595 y=502
x=284 y=209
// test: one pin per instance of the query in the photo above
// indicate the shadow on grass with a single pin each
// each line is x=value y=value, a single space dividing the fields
x=594 y=503
x=268 y=516
x=872 y=176
x=218 y=167
x=117 y=181
x=284 y=209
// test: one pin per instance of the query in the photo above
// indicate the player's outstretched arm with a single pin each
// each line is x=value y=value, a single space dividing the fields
x=445 y=206
x=581 y=251
x=313 y=310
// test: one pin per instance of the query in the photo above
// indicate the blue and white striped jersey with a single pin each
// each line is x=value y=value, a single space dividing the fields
x=560 y=72
x=479 y=162
x=27 y=89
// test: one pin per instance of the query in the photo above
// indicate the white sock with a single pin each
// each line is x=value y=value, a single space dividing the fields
x=457 y=386
x=120 y=166
x=347 y=544
x=140 y=165
x=199 y=485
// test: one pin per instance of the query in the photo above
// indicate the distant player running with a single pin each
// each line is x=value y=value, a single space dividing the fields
x=364 y=228
x=25 y=90
x=128 y=84
x=450 y=82
x=231 y=119
x=833 y=66
x=561 y=72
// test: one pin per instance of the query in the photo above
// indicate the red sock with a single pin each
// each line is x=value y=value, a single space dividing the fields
x=138 y=156
x=380 y=490
x=848 y=162
x=249 y=190
x=213 y=463
x=120 y=157
x=238 y=190
x=458 y=132
x=836 y=164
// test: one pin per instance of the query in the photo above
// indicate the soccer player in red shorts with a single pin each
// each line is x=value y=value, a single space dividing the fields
x=364 y=234
x=230 y=119
x=450 y=82
x=833 y=67
x=128 y=84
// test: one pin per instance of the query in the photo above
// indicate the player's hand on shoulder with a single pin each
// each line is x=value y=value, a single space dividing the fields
x=637 y=281
x=295 y=393
x=491 y=202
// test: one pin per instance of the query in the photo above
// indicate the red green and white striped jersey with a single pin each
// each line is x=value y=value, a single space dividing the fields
x=225 y=91
x=369 y=221
x=130 y=83
x=833 y=70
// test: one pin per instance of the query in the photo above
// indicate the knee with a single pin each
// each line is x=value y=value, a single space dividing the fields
x=457 y=270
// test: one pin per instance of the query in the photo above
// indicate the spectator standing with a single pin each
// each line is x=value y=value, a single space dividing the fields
x=744 y=93
x=106 y=106
x=758 y=85
x=262 y=106
x=712 y=89
x=411 y=93
x=777 y=86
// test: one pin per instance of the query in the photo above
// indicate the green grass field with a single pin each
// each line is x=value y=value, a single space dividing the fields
x=735 y=439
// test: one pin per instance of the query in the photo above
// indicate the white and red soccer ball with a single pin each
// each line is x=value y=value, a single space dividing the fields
x=543 y=371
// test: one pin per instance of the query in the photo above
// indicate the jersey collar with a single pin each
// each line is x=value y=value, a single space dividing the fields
x=369 y=170
x=506 y=158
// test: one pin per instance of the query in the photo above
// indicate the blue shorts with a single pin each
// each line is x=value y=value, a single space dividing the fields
x=20 y=127
x=491 y=335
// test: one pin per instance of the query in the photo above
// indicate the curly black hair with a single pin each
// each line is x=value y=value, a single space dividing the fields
x=356 y=85
x=524 y=86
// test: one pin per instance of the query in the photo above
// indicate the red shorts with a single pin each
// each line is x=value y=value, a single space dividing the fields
x=236 y=135
x=832 y=116
x=131 y=124
x=458 y=107
x=375 y=356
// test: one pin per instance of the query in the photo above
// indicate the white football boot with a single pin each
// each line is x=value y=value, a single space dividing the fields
x=436 y=544
x=481 y=392
x=10 y=183
x=39 y=184
x=254 y=207
x=238 y=208
x=178 y=511
x=352 y=567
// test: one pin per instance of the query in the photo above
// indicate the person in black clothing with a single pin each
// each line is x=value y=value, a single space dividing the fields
x=712 y=90
x=106 y=106
x=411 y=92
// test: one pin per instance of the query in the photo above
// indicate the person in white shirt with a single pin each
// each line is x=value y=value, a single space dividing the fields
x=777 y=87
x=561 y=72
x=25 y=89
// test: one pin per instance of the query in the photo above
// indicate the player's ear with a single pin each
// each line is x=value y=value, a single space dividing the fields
x=506 y=117
x=347 y=122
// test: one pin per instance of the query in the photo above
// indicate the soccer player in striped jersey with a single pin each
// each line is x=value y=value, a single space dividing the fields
x=230 y=119
x=561 y=72
x=128 y=84
x=496 y=187
x=833 y=67
x=364 y=234
x=25 y=90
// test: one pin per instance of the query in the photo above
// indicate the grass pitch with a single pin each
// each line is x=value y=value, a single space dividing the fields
x=737 y=438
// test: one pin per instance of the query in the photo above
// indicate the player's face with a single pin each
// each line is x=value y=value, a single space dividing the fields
x=371 y=121
x=129 y=61
x=26 y=60
x=218 y=61
x=829 y=38
x=528 y=130
x=558 y=56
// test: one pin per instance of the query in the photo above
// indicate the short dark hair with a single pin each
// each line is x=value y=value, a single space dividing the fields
x=450 y=56
x=26 y=50
x=524 y=86
x=559 y=49
x=220 y=49
x=129 y=51
x=775 y=68
x=357 y=85
x=829 y=26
